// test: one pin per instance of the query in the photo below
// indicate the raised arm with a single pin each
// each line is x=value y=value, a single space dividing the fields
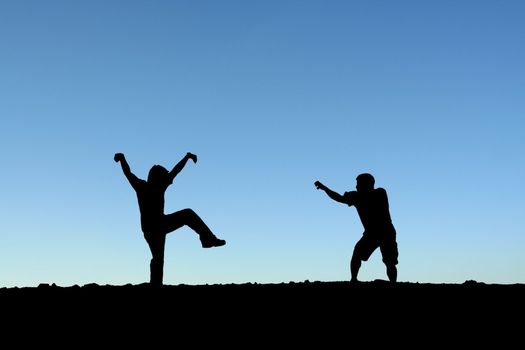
x=334 y=195
x=133 y=180
x=180 y=165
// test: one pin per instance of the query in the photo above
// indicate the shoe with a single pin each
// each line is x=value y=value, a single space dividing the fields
x=212 y=242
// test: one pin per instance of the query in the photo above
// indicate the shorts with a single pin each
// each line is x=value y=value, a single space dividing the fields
x=385 y=241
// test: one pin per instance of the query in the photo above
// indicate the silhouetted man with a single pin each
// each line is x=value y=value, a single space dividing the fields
x=372 y=207
x=155 y=224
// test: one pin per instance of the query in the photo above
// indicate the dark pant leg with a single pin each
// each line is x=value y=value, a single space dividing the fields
x=189 y=218
x=156 y=242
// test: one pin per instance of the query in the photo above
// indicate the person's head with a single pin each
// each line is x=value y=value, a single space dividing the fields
x=365 y=182
x=157 y=174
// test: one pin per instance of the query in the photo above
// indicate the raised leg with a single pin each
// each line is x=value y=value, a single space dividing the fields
x=192 y=220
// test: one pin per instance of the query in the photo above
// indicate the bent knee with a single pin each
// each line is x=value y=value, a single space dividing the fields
x=188 y=212
x=359 y=255
x=390 y=261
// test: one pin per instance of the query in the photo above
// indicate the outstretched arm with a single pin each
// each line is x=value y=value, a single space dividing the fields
x=180 y=165
x=133 y=180
x=334 y=195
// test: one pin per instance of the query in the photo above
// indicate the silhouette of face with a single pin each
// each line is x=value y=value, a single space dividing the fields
x=365 y=183
x=157 y=175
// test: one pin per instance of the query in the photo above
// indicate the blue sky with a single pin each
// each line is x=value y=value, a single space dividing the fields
x=428 y=96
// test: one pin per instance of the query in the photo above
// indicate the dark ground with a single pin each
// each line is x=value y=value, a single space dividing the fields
x=256 y=314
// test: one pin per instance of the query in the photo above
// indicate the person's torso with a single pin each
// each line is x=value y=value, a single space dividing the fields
x=151 y=201
x=373 y=209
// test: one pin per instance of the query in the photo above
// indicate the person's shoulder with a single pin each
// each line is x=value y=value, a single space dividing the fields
x=140 y=182
x=380 y=191
x=350 y=196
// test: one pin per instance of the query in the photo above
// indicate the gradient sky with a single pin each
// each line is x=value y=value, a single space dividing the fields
x=428 y=96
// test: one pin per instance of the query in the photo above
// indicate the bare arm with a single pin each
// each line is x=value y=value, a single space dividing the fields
x=334 y=195
x=133 y=180
x=180 y=165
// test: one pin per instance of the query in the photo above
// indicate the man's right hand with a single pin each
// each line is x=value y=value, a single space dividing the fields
x=319 y=185
x=118 y=157
x=192 y=157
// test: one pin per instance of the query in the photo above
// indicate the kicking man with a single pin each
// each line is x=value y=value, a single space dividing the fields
x=155 y=224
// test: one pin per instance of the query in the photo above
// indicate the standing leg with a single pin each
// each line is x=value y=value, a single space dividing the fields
x=390 y=254
x=362 y=251
x=192 y=220
x=355 y=265
x=391 y=272
x=156 y=244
